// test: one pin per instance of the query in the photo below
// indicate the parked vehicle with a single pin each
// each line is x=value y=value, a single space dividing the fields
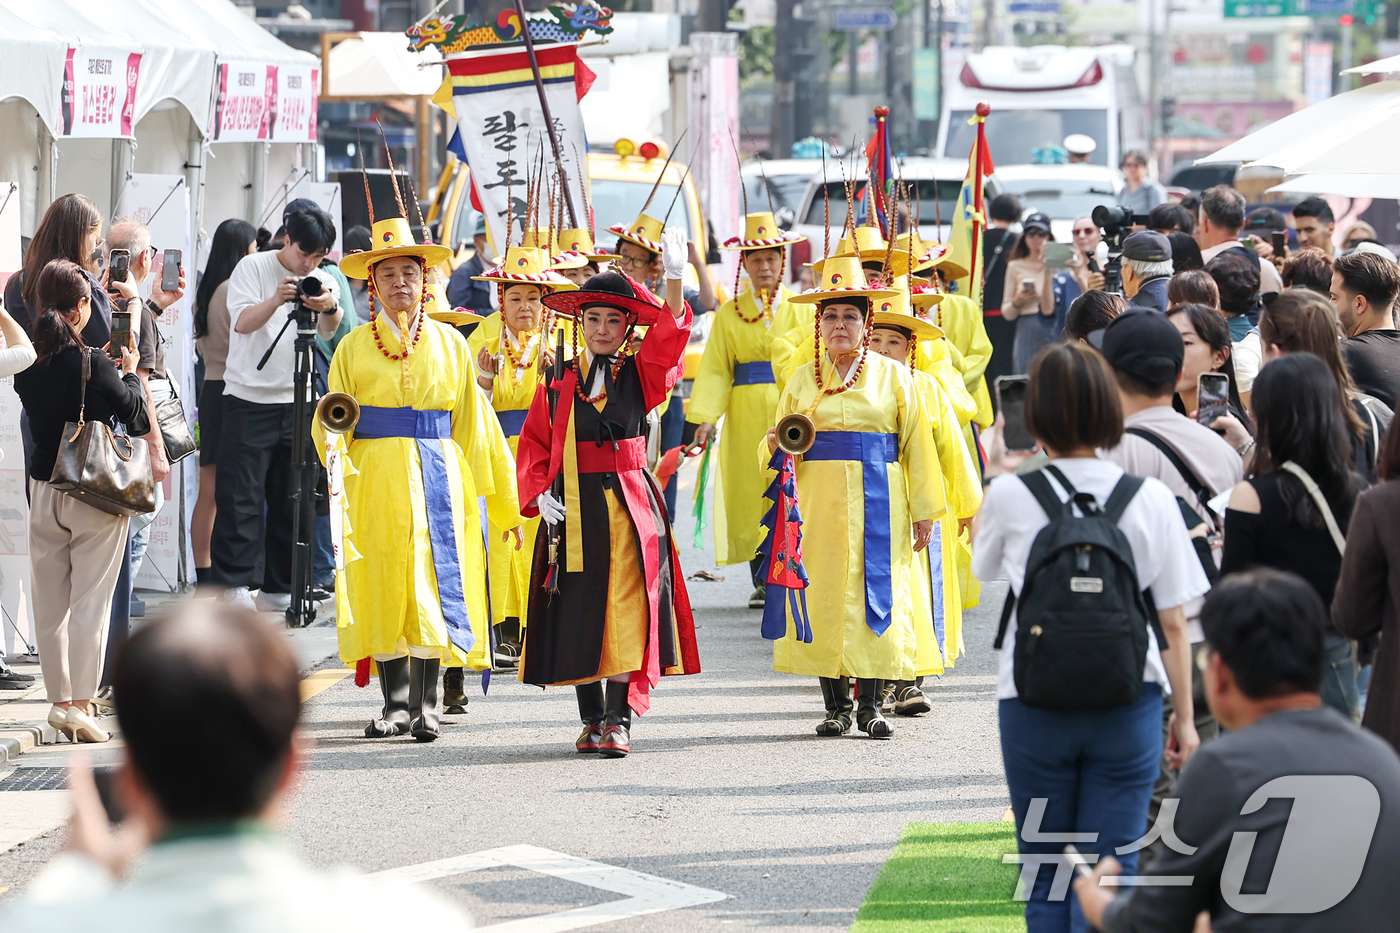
x=937 y=183
x=787 y=183
x=1063 y=192
x=1041 y=94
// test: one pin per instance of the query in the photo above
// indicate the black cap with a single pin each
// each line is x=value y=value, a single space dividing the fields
x=1143 y=344
x=1036 y=221
x=297 y=205
x=1147 y=246
x=1265 y=220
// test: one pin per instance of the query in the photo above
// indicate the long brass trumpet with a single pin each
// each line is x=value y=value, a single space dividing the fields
x=338 y=412
x=796 y=433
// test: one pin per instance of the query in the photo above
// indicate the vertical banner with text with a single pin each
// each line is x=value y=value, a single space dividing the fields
x=99 y=92
x=502 y=127
x=298 y=97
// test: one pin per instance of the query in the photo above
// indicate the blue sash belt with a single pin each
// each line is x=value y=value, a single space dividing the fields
x=759 y=372
x=512 y=420
x=873 y=451
x=425 y=427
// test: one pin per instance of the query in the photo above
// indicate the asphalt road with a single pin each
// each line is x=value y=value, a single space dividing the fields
x=728 y=787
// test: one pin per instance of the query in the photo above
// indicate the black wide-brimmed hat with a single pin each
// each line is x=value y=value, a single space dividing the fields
x=611 y=290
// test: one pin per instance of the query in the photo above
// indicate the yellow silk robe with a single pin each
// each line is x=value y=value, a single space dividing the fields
x=831 y=497
x=512 y=390
x=969 y=348
x=964 y=496
x=387 y=593
x=748 y=414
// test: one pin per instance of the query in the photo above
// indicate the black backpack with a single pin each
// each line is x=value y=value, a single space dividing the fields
x=1081 y=632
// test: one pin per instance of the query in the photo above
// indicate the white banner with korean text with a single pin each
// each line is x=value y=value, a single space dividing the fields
x=99 y=92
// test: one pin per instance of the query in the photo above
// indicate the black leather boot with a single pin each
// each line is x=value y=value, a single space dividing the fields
x=616 y=742
x=393 y=681
x=869 y=719
x=454 y=696
x=836 y=691
x=909 y=699
x=423 y=697
x=508 y=640
x=593 y=711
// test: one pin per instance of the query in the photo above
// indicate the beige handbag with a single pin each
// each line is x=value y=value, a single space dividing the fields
x=1321 y=502
x=108 y=471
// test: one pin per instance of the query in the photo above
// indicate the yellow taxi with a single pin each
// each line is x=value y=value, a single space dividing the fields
x=621 y=181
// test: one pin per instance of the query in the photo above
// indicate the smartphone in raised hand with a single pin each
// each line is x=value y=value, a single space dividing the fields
x=121 y=334
x=170 y=271
x=1212 y=397
x=1011 y=399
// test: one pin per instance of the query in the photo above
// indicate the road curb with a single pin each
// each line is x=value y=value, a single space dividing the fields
x=16 y=739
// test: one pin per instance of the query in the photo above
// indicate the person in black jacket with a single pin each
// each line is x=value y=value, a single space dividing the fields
x=76 y=551
x=70 y=229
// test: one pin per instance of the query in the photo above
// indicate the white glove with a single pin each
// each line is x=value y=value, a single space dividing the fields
x=675 y=254
x=551 y=509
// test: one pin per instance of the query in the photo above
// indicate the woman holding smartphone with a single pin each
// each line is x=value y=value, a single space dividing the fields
x=1207 y=338
x=1029 y=299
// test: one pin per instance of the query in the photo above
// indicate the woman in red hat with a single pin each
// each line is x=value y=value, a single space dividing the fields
x=607 y=598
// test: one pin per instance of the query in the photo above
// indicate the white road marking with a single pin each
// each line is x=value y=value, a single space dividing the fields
x=645 y=894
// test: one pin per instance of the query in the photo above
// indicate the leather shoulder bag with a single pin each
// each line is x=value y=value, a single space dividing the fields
x=174 y=429
x=106 y=470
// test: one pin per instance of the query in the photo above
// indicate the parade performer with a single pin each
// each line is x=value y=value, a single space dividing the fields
x=970 y=349
x=607 y=596
x=577 y=259
x=736 y=381
x=899 y=335
x=508 y=362
x=411 y=591
x=873 y=442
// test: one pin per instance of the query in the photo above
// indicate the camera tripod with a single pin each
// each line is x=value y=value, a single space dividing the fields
x=301 y=612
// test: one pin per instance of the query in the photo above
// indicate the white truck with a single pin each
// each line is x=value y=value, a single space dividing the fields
x=1041 y=94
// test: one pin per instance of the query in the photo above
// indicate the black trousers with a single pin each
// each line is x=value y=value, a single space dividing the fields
x=252 y=541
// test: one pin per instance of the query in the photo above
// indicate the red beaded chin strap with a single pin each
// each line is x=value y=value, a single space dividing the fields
x=769 y=299
x=913 y=352
x=817 y=362
x=542 y=330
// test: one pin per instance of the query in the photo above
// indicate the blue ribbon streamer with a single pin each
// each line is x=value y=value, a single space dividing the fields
x=428 y=427
x=935 y=579
x=759 y=372
x=512 y=420
x=874 y=452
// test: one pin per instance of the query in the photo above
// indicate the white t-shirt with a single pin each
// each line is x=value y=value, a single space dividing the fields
x=253 y=281
x=1166 y=562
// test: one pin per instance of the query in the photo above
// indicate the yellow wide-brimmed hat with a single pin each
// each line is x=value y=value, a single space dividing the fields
x=894 y=312
x=389 y=238
x=925 y=296
x=842 y=277
x=437 y=307
x=761 y=231
x=938 y=256
x=644 y=232
x=526 y=265
x=576 y=247
x=870 y=245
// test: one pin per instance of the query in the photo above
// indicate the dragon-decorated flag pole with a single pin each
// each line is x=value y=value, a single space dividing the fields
x=544 y=105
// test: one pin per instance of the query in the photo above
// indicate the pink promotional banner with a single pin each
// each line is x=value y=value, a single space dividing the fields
x=246 y=103
x=298 y=95
x=99 y=92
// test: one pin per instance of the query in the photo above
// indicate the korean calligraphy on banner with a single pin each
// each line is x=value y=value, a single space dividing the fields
x=246 y=103
x=501 y=127
x=99 y=92
x=298 y=96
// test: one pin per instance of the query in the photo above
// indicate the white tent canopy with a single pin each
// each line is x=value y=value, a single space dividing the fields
x=379 y=64
x=1351 y=186
x=1311 y=121
x=1378 y=67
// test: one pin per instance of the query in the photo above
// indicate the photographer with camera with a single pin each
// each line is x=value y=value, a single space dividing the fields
x=254 y=470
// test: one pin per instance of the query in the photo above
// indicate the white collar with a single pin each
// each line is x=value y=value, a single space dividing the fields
x=389 y=319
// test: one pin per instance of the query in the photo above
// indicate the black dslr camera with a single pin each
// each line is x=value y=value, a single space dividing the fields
x=308 y=286
x=1116 y=222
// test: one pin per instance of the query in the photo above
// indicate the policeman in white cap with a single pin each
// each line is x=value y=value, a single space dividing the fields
x=1080 y=147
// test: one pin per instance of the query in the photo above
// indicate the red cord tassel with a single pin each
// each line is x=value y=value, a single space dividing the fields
x=362 y=672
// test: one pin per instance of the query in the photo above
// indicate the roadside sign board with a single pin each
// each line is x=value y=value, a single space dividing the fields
x=856 y=18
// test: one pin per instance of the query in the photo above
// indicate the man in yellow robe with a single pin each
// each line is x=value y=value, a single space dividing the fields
x=737 y=381
x=411 y=592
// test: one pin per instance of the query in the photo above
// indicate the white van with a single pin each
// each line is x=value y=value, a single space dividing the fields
x=1041 y=94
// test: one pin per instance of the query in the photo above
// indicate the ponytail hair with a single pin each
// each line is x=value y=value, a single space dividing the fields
x=60 y=287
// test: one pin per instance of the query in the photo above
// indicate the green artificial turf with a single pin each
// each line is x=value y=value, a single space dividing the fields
x=946 y=878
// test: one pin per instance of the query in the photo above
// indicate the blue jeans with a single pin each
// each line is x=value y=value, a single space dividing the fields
x=323 y=565
x=1096 y=769
x=1339 y=689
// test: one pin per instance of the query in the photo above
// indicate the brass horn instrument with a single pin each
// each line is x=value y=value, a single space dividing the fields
x=796 y=433
x=338 y=412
